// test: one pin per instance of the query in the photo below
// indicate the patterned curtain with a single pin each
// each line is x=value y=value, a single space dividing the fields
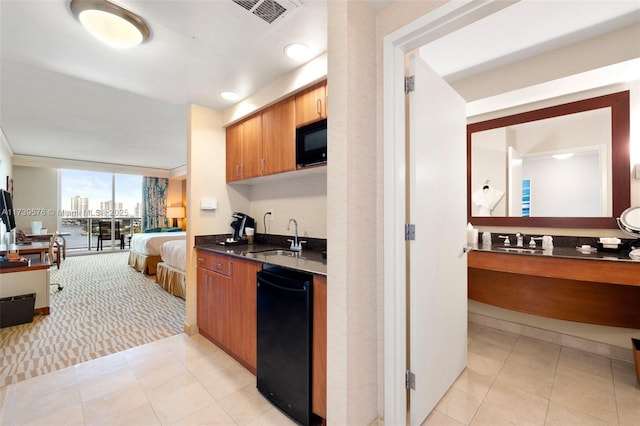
x=154 y=202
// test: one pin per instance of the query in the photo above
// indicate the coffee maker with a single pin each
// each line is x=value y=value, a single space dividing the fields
x=241 y=222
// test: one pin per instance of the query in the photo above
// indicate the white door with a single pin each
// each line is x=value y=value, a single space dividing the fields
x=437 y=263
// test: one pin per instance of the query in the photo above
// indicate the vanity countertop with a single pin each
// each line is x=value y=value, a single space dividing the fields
x=562 y=252
x=307 y=260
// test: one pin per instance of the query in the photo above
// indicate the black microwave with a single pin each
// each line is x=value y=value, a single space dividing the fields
x=311 y=144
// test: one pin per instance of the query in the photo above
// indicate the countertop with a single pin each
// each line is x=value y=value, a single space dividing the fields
x=307 y=260
x=564 y=252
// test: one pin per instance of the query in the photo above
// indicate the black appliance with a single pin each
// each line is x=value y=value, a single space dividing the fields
x=241 y=222
x=311 y=144
x=285 y=309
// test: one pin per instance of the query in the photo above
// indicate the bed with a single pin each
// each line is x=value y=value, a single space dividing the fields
x=171 y=270
x=144 y=253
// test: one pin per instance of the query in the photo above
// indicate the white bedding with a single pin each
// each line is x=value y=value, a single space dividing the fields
x=174 y=253
x=149 y=243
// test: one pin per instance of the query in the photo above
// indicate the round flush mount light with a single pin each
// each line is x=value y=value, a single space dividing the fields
x=230 y=96
x=564 y=156
x=110 y=23
x=298 y=51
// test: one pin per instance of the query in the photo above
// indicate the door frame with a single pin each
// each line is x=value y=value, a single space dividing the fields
x=441 y=21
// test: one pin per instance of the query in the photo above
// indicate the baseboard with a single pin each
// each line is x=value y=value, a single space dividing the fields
x=598 y=348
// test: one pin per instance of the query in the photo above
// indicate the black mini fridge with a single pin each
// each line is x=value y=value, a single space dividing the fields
x=284 y=340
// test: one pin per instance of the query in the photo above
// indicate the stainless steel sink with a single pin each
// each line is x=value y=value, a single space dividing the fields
x=276 y=252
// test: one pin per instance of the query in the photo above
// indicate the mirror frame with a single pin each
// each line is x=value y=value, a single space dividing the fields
x=620 y=167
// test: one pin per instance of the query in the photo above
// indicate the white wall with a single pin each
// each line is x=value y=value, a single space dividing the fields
x=35 y=191
x=303 y=199
x=6 y=169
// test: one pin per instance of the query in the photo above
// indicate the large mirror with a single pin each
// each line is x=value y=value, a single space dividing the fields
x=565 y=166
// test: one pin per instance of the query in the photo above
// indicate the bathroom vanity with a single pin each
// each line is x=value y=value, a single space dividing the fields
x=561 y=283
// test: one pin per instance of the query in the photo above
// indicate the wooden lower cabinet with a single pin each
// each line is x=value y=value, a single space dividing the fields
x=227 y=315
x=242 y=312
x=319 y=359
x=227 y=304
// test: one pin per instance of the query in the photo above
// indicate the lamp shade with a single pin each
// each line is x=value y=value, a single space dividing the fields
x=175 y=212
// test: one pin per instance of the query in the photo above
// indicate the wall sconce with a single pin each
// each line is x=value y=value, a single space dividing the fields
x=175 y=213
x=110 y=23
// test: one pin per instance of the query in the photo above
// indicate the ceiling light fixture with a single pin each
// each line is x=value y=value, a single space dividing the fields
x=110 y=23
x=564 y=156
x=298 y=51
x=230 y=96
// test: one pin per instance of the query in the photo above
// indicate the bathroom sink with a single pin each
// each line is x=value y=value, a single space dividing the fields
x=520 y=250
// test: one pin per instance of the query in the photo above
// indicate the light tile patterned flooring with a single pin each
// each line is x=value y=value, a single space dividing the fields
x=518 y=380
x=510 y=380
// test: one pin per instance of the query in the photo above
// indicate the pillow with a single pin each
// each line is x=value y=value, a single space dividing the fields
x=175 y=229
x=152 y=230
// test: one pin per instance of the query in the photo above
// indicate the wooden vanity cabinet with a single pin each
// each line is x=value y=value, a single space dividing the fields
x=311 y=104
x=244 y=149
x=227 y=304
x=319 y=358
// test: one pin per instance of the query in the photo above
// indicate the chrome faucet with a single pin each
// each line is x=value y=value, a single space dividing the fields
x=519 y=240
x=295 y=244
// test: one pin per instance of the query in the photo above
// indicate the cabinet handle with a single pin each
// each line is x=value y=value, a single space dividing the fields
x=200 y=259
x=319 y=106
x=242 y=169
x=238 y=170
x=262 y=165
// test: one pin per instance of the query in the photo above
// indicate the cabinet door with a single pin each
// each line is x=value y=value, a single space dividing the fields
x=203 y=286
x=311 y=104
x=234 y=152
x=278 y=138
x=251 y=134
x=218 y=301
x=319 y=358
x=243 y=311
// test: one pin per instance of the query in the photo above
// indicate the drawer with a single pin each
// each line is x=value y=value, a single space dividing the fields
x=215 y=262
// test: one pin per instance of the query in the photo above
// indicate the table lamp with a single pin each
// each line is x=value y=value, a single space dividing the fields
x=175 y=213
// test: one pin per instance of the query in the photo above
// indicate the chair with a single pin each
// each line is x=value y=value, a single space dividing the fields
x=104 y=233
x=55 y=254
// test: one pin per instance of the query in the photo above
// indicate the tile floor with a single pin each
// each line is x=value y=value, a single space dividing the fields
x=510 y=380
x=517 y=380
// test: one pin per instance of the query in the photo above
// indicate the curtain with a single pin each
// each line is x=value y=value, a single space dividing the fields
x=154 y=202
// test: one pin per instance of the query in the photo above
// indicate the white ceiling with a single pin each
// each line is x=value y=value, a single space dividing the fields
x=65 y=95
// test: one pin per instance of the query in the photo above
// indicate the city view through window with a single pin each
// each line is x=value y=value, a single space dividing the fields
x=86 y=198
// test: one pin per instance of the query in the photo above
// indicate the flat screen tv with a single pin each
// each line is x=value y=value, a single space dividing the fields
x=6 y=210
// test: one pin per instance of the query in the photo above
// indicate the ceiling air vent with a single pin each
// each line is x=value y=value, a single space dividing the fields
x=269 y=10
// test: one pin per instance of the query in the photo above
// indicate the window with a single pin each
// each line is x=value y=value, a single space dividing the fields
x=87 y=197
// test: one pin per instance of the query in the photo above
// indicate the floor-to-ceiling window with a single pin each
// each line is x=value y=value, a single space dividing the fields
x=88 y=198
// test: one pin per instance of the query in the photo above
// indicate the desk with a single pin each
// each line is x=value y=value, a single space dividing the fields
x=46 y=238
x=25 y=280
x=33 y=248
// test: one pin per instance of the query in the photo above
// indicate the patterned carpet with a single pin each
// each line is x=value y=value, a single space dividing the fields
x=105 y=307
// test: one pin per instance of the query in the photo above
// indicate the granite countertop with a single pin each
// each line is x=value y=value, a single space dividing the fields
x=564 y=252
x=308 y=260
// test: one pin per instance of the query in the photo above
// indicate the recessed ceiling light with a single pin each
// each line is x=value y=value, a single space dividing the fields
x=230 y=96
x=298 y=51
x=564 y=156
x=110 y=23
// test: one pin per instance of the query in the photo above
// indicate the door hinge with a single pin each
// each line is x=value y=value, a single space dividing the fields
x=409 y=232
x=409 y=380
x=409 y=84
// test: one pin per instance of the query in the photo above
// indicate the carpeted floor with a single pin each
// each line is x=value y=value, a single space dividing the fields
x=105 y=307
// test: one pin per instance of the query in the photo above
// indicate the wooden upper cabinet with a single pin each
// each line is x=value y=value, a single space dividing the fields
x=244 y=149
x=234 y=153
x=252 y=147
x=278 y=138
x=311 y=104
